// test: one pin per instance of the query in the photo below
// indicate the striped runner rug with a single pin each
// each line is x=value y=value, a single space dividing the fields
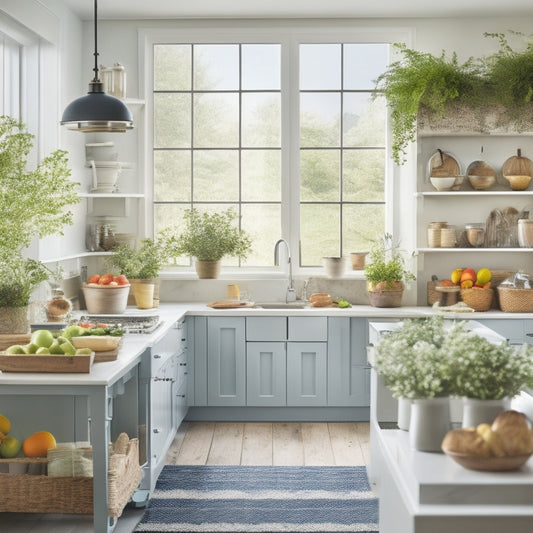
x=261 y=499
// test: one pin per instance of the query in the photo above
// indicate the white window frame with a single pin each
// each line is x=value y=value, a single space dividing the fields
x=290 y=37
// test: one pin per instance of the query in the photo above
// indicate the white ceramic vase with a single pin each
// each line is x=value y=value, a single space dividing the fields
x=482 y=411
x=404 y=413
x=430 y=421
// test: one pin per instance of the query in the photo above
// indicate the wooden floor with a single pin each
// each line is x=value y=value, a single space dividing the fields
x=228 y=443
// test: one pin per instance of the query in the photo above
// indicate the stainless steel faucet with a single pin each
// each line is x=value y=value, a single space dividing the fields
x=291 y=293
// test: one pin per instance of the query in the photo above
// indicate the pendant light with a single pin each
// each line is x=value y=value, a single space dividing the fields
x=97 y=111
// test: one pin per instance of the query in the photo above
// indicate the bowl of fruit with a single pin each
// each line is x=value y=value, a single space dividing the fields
x=106 y=294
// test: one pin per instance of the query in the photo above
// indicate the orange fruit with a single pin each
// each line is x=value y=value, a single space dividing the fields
x=38 y=444
x=106 y=279
x=94 y=278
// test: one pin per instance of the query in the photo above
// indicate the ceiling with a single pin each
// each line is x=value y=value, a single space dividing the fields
x=161 y=9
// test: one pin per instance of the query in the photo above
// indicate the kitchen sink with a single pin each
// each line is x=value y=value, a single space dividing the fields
x=282 y=305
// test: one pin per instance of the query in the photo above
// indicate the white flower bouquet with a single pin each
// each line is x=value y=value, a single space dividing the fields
x=428 y=358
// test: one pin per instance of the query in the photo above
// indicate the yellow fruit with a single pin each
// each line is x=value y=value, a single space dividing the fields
x=5 y=425
x=456 y=275
x=38 y=444
x=483 y=276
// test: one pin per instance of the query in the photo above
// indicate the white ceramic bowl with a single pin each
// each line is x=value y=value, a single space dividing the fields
x=443 y=184
x=106 y=299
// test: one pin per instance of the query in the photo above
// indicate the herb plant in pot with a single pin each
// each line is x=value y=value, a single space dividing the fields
x=209 y=237
x=33 y=203
x=142 y=264
x=385 y=274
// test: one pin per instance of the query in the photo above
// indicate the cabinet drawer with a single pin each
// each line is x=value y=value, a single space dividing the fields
x=271 y=328
x=308 y=329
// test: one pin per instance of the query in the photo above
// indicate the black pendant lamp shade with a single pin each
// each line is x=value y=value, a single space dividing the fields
x=97 y=111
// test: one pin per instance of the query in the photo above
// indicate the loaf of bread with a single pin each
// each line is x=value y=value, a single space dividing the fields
x=515 y=432
x=320 y=299
x=510 y=435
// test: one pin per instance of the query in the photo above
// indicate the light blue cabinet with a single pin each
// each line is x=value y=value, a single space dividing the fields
x=306 y=374
x=226 y=361
x=266 y=374
x=348 y=371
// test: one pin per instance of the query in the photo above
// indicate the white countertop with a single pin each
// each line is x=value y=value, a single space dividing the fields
x=135 y=344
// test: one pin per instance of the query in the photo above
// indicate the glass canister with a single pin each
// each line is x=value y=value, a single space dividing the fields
x=434 y=232
x=475 y=234
x=119 y=81
x=525 y=233
x=448 y=237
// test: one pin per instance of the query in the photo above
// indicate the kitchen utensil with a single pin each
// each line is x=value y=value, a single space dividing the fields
x=443 y=164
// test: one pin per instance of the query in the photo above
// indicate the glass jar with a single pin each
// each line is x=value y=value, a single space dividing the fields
x=475 y=234
x=448 y=237
x=525 y=233
x=433 y=232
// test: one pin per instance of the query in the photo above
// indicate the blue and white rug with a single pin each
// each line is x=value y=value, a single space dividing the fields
x=261 y=499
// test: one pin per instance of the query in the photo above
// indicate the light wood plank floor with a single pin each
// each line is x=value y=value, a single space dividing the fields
x=228 y=443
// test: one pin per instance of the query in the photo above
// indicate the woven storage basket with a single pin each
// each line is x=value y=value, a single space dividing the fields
x=514 y=300
x=26 y=493
x=478 y=299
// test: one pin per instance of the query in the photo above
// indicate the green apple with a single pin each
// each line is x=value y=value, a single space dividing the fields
x=10 y=447
x=62 y=339
x=42 y=351
x=73 y=331
x=56 y=348
x=42 y=337
x=68 y=348
x=16 y=349
x=31 y=348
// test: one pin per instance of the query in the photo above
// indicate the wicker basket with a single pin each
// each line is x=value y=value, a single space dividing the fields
x=27 y=493
x=514 y=300
x=478 y=299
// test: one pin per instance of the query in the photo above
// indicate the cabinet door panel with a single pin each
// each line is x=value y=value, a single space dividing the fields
x=268 y=328
x=308 y=329
x=306 y=374
x=226 y=361
x=265 y=374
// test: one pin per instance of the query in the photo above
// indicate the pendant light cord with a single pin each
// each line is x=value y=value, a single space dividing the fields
x=95 y=69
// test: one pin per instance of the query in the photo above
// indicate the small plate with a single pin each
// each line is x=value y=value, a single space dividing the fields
x=488 y=464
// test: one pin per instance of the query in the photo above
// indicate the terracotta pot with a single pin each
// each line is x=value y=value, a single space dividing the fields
x=14 y=320
x=150 y=281
x=208 y=269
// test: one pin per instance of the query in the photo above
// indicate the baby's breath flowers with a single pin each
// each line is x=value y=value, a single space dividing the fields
x=428 y=358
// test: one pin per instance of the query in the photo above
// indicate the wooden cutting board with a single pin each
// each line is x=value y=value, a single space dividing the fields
x=46 y=363
x=230 y=304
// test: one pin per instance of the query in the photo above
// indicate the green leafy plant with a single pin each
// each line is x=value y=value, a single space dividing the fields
x=386 y=264
x=146 y=261
x=18 y=278
x=211 y=236
x=33 y=203
x=420 y=79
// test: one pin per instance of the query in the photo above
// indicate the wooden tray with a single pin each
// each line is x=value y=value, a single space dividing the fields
x=46 y=363
x=9 y=339
x=103 y=357
x=230 y=304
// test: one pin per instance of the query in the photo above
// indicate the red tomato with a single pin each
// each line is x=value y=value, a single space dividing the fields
x=94 y=279
x=121 y=280
x=106 y=279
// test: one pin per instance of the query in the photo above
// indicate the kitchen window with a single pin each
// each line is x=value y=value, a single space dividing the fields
x=283 y=129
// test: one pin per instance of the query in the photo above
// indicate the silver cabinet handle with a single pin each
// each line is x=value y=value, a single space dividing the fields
x=157 y=356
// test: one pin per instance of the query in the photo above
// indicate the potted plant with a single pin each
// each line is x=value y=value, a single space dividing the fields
x=143 y=264
x=33 y=203
x=416 y=367
x=488 y=375
x=211 y=236
x=482 y=92
x=385 y=273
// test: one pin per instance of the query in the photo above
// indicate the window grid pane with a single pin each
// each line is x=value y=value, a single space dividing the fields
x=217 y=137
x=342 y=149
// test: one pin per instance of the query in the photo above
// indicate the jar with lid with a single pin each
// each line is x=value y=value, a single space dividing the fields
x=475 y=234
x=433 y=232
x=525 y=233
x=448 y=237
x=58 y=308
